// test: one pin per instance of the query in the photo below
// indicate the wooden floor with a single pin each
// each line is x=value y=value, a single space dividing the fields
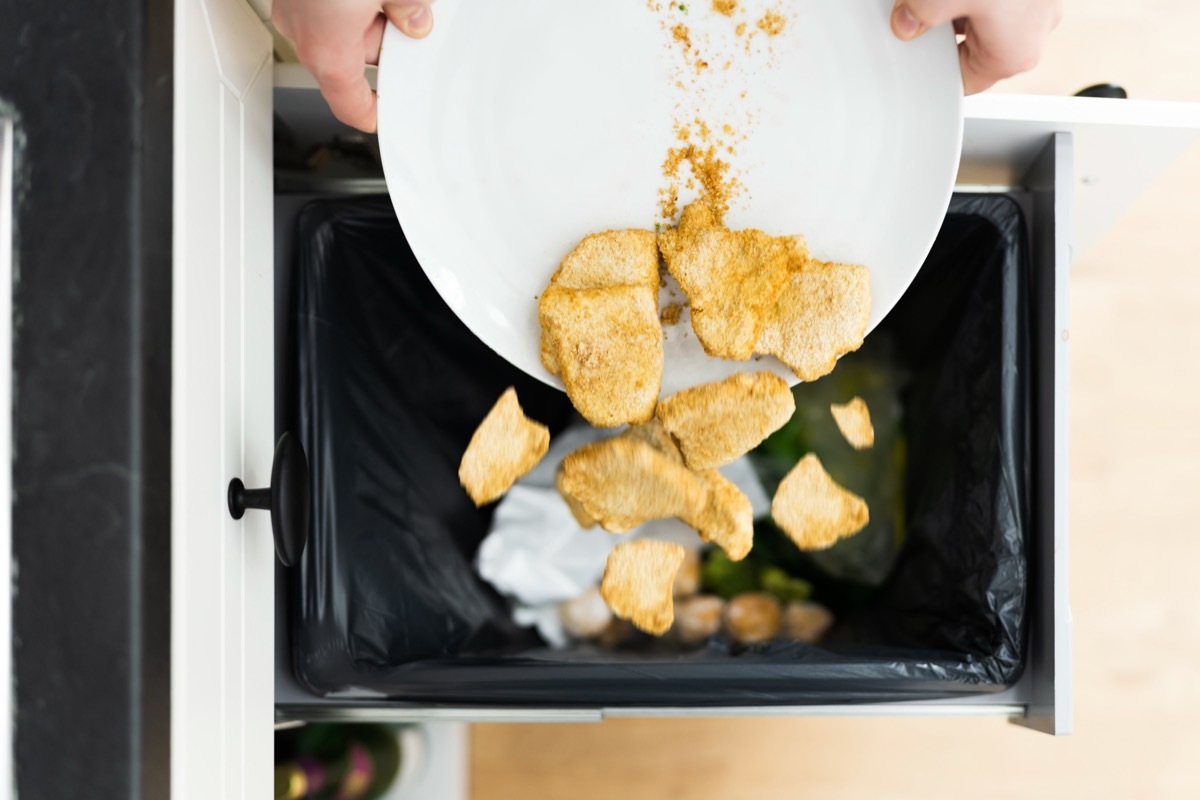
x=1135 y=539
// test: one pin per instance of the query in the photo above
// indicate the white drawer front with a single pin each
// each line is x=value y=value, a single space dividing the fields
x=222 y=571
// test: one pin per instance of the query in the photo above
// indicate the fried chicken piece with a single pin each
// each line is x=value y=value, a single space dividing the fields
x=604 y=260
x=715 y=423
x=637 y=583
x=608 y=346
x=622 y=483
x=731 y=278
x=821 y=314
x=576 y=508
x=813 y=510
x=727 y=519
x=854 y=421
x=654 y=434
x=505 y=446
x=612 y=258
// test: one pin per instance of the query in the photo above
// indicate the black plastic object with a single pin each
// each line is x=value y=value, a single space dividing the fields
x=390 y=385
x=286 y=498
x=1111 y=91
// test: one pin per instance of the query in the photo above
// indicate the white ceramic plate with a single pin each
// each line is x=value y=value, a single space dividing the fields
x=518 y=127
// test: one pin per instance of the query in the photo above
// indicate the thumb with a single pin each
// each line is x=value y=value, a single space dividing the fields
x=413 y=17
x=911 y=18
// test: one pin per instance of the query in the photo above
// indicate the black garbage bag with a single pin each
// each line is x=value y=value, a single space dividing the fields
x=389 y=385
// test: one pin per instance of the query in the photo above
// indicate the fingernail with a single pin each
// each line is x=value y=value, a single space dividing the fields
x=413 y=17
x=905 y=24
x=419 y=23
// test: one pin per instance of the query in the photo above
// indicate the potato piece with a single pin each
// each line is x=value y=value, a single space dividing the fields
x=731 y=278
x=806 y=621
x=654 y=434
x=752 y=617
x=585 y=616
x=637 y=583
x=622 y=483
x=687 y=580
x=697 y=618
x=854 y=421
x=716 y=423
x=821 y=314
x=611 y=258
x=608 y=346
x=727 y=519
x=505 y=447
x=813 y=510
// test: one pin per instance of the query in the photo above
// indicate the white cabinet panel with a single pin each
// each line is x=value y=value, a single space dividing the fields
x=222 y=401
x=1120 y=146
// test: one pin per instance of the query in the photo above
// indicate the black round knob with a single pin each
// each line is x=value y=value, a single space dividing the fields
x=286 y=497
x=1111 y=91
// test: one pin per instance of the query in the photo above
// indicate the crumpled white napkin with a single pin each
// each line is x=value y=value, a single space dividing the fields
x=537 y=554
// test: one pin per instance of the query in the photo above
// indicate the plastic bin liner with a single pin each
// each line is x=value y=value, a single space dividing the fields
x=389 y=385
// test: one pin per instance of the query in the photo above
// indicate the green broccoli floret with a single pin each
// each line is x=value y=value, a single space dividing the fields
x=784 y=587
x=727 y=578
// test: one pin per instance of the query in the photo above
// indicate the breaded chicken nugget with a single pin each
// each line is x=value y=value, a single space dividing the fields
x=608 y=345
x=576 y=508
x=727 y=519
x=716 y=423
x=731 y=278
x=604 y=261
x=637 y=583
x=854 y=421
x=654 y=434
x=622 y=483
x=504 y=447
x=821 y=314
x=813 y=510
x=612 y=258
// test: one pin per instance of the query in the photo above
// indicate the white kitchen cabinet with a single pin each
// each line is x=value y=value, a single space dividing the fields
x=1077 y=162
x=222 y=403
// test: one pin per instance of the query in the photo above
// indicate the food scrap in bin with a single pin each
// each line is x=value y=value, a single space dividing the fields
x=813 y=510
x=637 y=583
x=623 y=482
x=748 y=294
x=726 y=519
x=505 y=447
x=750 y=408
x=854 y=421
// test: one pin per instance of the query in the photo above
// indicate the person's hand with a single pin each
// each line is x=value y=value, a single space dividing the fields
x=336 y=38
x=1002 y=37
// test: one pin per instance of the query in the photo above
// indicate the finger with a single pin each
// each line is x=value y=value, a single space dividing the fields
x=373 y=40
x=911 y=18
x=998 y=47
x=976 y=77
x=413 y=17
x=339 y=73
